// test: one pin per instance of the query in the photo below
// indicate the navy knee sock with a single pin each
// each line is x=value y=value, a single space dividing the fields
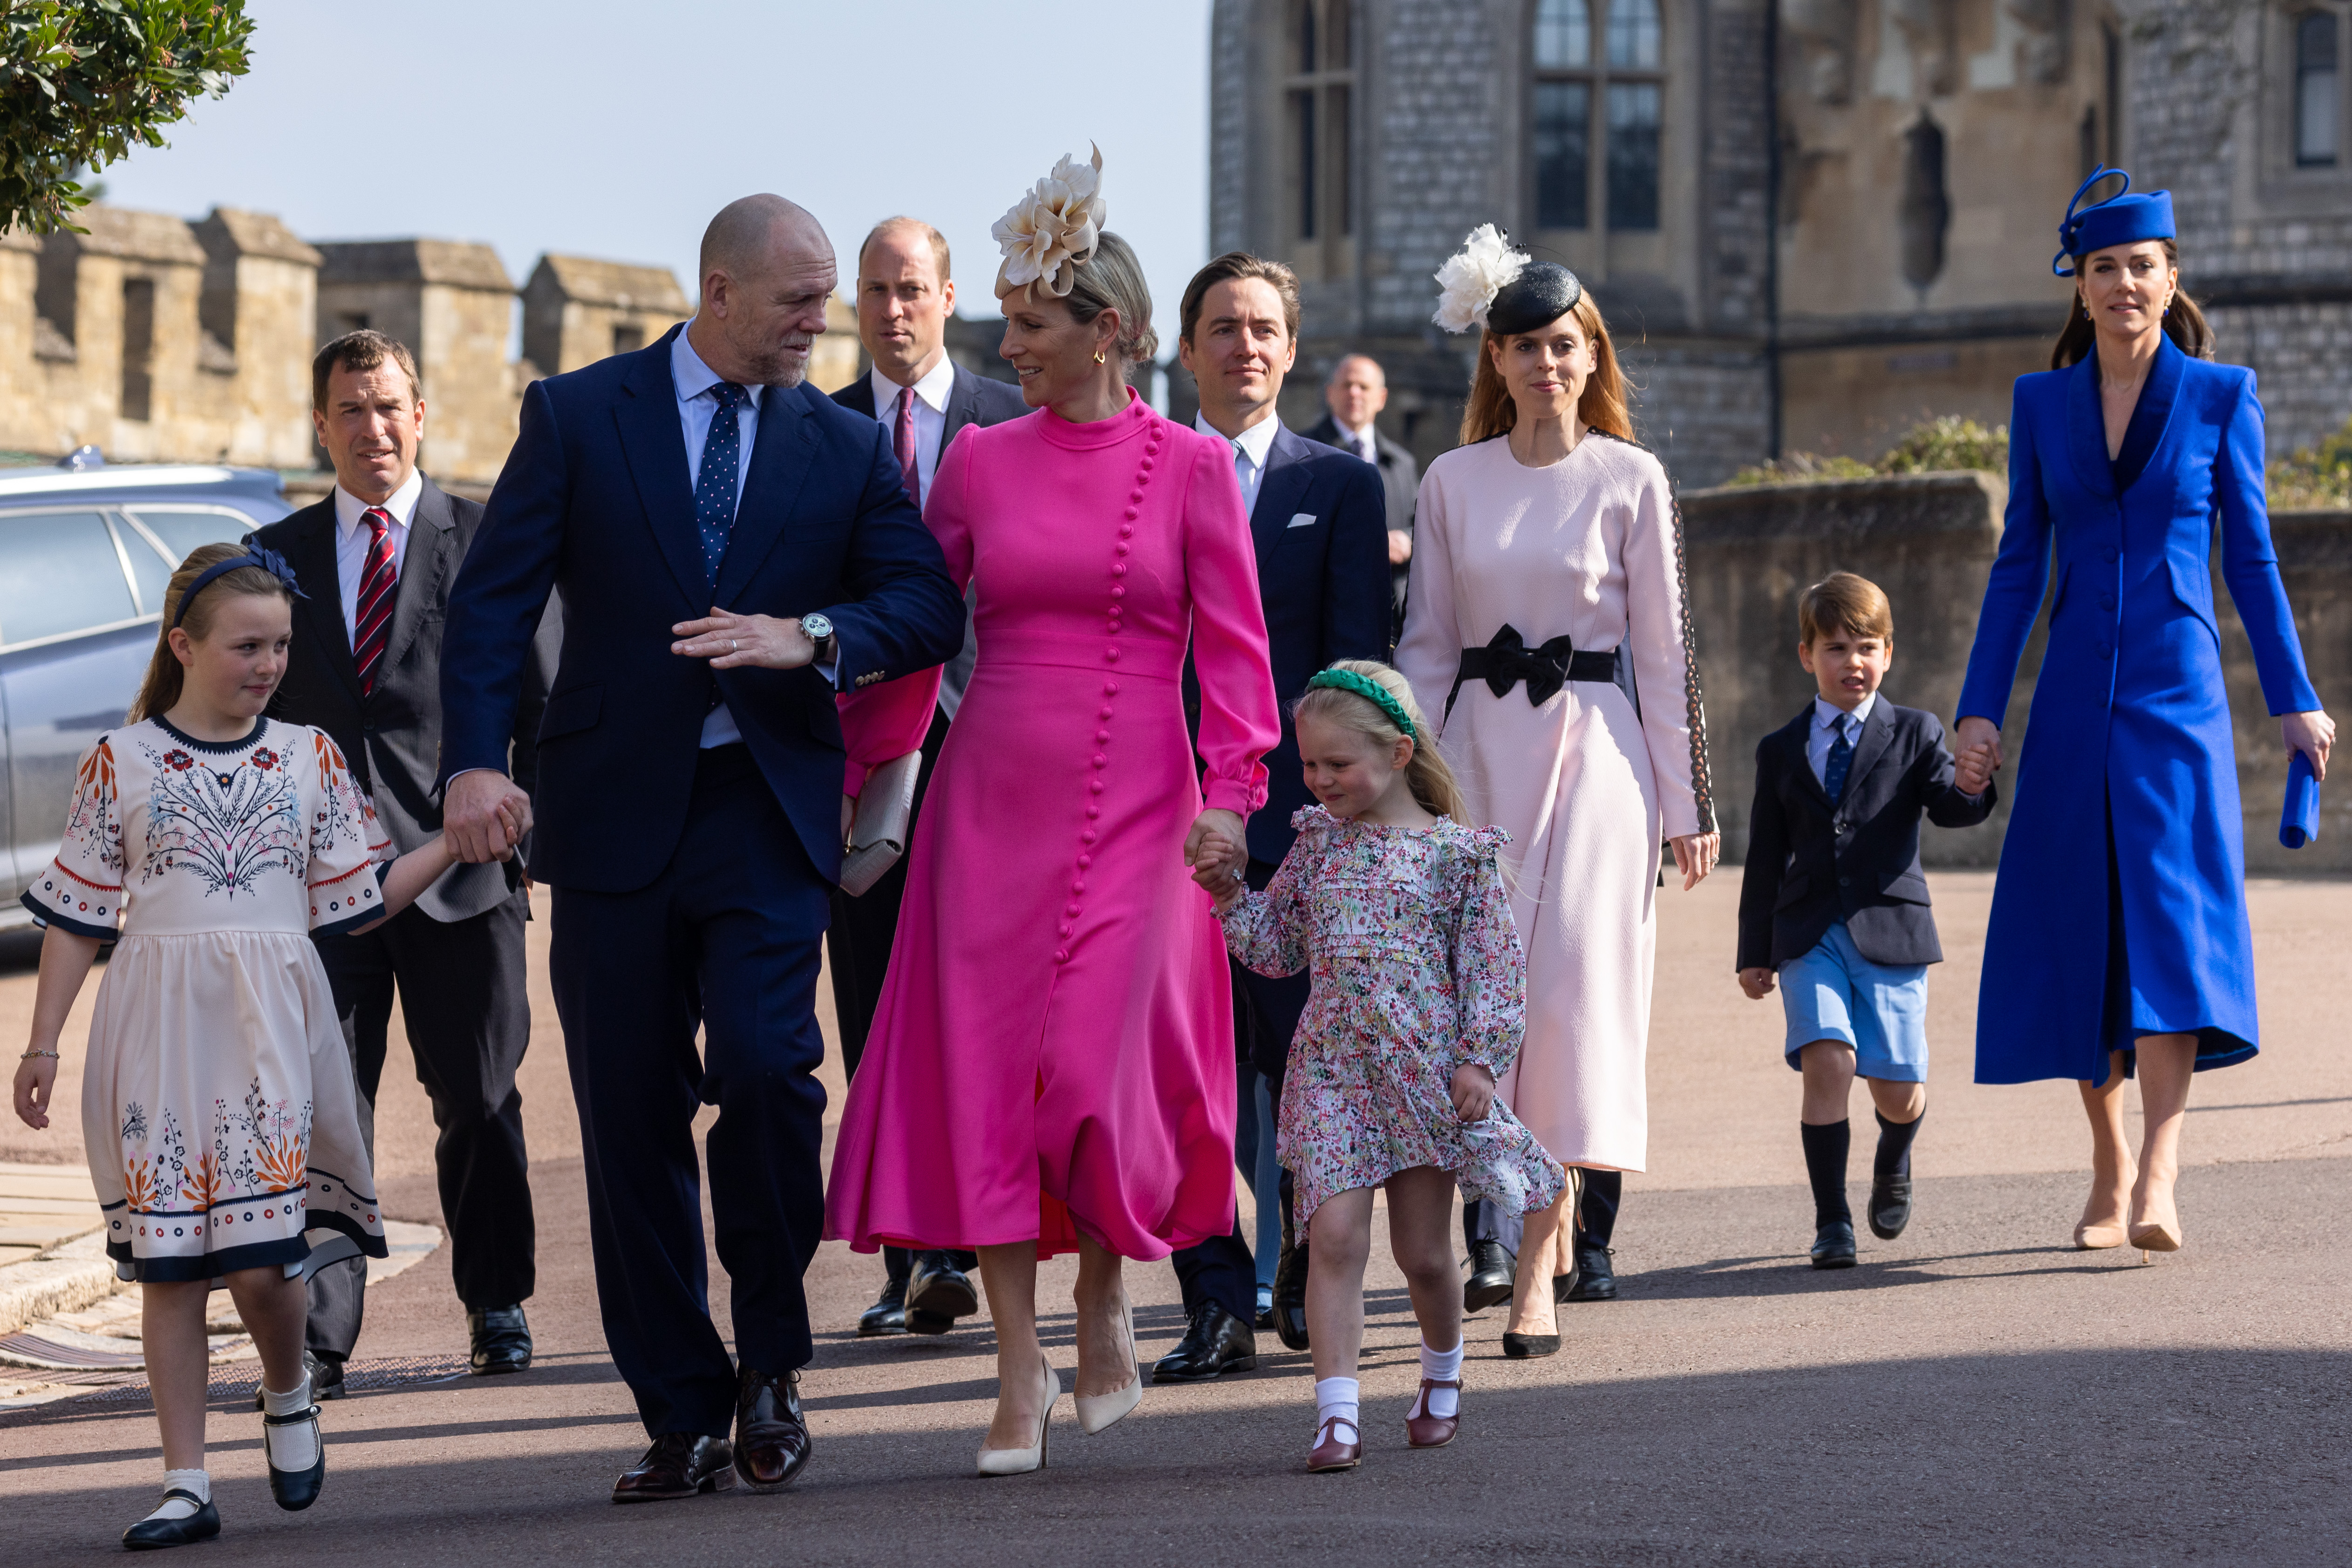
x=1893 y=1156
x=1825 y=1153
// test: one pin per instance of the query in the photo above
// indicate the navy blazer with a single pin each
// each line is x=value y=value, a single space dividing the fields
x=1321 y=528
x=596 y=499
x=1812 y=863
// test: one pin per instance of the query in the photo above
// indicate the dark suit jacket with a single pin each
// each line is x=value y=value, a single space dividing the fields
x=1321 y=535
x=596 y=499
x=392 y=736
x=1400 y=480
x=1811 y=863
x=973 y=400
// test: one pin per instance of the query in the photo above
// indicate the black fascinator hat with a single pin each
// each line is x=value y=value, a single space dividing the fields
x=1541 y=294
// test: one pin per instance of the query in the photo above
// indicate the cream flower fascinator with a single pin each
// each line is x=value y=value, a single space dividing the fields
x=1468 y=283
x=1054 y=228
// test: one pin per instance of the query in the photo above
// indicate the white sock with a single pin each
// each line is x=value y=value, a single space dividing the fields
x=197 y=1481
x=1335 y=1399
x=293 y=1446
x=1441 y=1366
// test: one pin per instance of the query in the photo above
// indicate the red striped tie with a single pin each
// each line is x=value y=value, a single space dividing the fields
x=371 y=622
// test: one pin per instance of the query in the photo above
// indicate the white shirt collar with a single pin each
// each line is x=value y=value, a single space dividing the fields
x=1254 y=442
x=1358 y=436
x=350 y=512
x=933 y=391
x=1828 y=715
x=691 y=377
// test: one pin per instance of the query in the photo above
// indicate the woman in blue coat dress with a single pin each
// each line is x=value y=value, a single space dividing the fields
x=2118 y=939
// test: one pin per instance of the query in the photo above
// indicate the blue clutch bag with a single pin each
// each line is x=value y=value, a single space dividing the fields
x=2299 y=821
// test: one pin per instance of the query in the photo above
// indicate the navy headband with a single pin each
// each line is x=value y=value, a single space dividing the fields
x=268 y=560
x=2122 y=219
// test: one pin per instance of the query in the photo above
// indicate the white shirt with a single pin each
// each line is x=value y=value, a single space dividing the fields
x=1249 y=461
x=355 y=537
x=1360 y=441
x=1827 y=719
x=930 y=414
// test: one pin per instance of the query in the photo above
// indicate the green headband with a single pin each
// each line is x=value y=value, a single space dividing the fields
x=1371 y=691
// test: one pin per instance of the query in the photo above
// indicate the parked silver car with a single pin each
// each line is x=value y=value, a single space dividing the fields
x=84 y=558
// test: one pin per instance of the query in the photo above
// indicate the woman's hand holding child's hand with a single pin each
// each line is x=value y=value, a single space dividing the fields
x=1757 y=982
x=1975 y=769
x=1474 y=1092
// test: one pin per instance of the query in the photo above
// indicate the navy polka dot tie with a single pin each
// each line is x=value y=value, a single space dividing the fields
x=1841 y=759
x=715 y=482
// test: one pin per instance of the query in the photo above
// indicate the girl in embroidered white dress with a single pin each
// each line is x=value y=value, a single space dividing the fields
x=217 y=1104
x=1397 y=906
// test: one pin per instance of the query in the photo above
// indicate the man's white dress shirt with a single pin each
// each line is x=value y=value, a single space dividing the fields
x=1828 y=720
x=355 y=537
x=1250 y=449
x=1361 y=442
x=930 y=414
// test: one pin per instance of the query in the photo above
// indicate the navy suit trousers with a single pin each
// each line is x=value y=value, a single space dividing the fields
x=729 y=937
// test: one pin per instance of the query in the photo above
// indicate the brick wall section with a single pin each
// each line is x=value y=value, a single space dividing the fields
x=2299 y=354
x=1434 y=155
x=1736 y=185
x=1700 y=407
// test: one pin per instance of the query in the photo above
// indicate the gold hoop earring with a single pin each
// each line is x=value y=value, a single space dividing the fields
x=1099 y=358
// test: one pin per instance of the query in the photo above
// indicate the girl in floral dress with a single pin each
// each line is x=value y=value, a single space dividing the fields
x=1397 y=908
x=208 y=843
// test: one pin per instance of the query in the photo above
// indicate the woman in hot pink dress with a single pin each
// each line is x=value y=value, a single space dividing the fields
x=1051 y=1065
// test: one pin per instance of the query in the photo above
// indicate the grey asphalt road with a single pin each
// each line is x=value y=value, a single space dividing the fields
x=1974 y=1393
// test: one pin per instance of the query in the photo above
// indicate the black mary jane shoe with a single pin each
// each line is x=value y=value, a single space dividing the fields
x=1530 y=1347
x=1890 y=1206
x=297 y=1490
x=1492 y=1272
x=1593 y=1280
x=888 y=1314
x=154 y=1534
x=1833 y=1244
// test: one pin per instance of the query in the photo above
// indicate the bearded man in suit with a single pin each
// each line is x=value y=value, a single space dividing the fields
x=905 y=295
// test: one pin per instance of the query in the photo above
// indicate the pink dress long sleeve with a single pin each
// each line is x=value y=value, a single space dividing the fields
x=1585 y=548
x=1053 y=1056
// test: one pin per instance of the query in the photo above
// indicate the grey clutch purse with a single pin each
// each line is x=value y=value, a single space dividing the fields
x=879 y=830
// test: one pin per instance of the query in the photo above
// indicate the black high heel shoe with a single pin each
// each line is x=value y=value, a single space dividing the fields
x=297 y=1490
x=1530 y=1347
x=152 y=1534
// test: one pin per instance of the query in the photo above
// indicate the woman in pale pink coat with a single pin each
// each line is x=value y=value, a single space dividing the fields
x=1542 y=544
x=1050 y=1068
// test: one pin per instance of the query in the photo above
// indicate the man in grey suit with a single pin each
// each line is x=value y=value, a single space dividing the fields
x=904 y=293
x=376 y=558
x=1355 y=395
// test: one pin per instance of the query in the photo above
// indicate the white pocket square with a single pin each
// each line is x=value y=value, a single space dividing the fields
x=1302 y=519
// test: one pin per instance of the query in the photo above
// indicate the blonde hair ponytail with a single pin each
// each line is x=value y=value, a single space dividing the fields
x=1432 y=783
x=160 y=691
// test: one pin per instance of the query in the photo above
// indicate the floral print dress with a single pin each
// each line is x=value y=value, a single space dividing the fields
x=217 y=1102
x=1416 y=969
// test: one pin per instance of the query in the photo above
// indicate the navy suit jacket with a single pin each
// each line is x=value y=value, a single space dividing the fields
x=596 y=499
x=1321 y=527
x=1812 y=863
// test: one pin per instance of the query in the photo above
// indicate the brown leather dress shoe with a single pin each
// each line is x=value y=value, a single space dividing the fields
x=679 y=1464
x=1329 y=1452
x=1427 y=1431
x=771 y=1437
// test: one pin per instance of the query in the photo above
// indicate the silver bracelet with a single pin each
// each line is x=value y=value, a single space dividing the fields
x=30 y=1055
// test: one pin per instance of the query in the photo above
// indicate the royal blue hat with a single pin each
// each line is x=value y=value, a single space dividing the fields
x=2121 y=219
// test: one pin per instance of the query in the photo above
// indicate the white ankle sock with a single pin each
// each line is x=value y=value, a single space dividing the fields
x=1441 y=1366
x=197 y=1481
x=1336 y=1399
x=293 y=1446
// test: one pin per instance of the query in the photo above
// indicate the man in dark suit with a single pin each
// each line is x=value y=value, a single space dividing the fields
x=921 y=398
x=376 y=558
x=732 y=547
x=1354 y=396
x=1317 y=519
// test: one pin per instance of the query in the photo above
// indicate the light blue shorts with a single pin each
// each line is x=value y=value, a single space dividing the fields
x=1880 y=1009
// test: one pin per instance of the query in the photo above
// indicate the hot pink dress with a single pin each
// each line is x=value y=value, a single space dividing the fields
x=1053 y=1056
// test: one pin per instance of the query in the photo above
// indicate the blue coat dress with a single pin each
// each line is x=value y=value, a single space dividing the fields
x=2120 y=909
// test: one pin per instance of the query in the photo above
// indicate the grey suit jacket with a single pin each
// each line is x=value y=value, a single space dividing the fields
x=973 y=400
x=1399 y=483
x=392 y=736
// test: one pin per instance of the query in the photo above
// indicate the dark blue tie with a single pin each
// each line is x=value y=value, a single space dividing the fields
x=714 y=483
x=1840 y=760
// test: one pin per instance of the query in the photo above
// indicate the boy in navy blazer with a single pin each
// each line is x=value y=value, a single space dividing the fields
x=1834 y=902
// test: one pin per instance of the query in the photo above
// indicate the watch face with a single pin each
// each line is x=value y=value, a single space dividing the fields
x=818 y=627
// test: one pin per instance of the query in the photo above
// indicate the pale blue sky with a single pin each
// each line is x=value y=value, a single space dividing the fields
x=615 y=129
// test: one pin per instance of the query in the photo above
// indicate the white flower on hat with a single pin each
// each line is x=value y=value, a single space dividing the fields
x=1468 y=282
x=1052 y=229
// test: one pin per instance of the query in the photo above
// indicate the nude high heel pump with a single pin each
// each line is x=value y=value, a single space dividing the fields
x=1097 y=1411
x=1021 y=1461
x=2156 y=1235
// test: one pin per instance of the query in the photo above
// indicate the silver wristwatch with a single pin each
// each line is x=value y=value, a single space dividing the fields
x=819 y=630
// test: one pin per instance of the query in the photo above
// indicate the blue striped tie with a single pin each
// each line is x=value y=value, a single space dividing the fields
x=715 y=481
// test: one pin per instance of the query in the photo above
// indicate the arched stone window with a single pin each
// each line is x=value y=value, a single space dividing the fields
x=1319 y=97
x=1598 y=113
x=2318 y=90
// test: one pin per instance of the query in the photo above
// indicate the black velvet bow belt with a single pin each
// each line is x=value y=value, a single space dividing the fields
x=1506 y=660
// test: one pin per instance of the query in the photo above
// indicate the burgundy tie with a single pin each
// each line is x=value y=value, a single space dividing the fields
x=371 y=622
x=903 y=443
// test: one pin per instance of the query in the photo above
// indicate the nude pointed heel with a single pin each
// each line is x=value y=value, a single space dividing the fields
x=2097 y=1237
x=1097 y=1411
x=2155 y=1237
x=1021 y=1461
